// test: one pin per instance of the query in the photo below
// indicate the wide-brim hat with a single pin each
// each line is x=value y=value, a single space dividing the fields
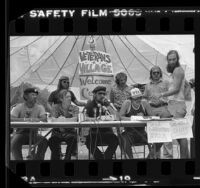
x=136 y=93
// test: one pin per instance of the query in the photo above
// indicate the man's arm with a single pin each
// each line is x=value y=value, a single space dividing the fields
x=126 y=104
x=147 y=108
x=146 y=93
x=111 y=96
x=79 y=103
x=178 y=78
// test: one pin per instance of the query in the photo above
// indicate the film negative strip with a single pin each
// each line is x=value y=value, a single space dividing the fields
x=44 y=44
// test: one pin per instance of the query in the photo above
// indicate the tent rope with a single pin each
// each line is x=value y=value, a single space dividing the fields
x=52 y=53
x=35 y=63
x=26 y=45
x=63 y=63
x=134 y=54
x=16 y=38
x=104 y=44
x=30 y=65
x=142 y=54
x=121 y=61
x=78 y=63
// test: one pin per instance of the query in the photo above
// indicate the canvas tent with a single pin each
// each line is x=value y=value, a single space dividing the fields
x=41 y=60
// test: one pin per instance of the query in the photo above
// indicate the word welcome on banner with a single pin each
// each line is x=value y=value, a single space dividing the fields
x=94 y=62
x=95 y=68
x=88 y=83
x=166 y=131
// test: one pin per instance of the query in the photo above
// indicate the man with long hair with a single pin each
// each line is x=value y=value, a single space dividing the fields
x=54 y=99
x=63 y=111
x=175 y=94
x=62 y=84
x=120 y=91
x=159 y=107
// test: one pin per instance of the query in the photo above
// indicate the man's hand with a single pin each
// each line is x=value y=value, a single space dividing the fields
x=156 y=96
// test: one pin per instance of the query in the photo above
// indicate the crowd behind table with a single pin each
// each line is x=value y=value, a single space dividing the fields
x=160 y=98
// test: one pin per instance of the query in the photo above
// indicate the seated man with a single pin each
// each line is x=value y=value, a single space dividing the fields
x=134 y=107
x=63 y=111
x=28 y=111
x=98 y=136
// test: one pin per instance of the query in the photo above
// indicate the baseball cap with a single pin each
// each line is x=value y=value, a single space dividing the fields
x=135 y=93
x=31 y=90
x=99 y=88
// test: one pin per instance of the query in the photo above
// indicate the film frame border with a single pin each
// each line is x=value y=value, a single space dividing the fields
x=162 y=24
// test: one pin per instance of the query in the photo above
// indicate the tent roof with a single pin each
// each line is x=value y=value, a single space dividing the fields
x=41 y=60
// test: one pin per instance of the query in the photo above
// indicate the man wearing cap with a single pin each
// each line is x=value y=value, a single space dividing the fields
x=134 y=107
x=98 y=136
x=28 y=111
x=159 y=107
x=62 y=84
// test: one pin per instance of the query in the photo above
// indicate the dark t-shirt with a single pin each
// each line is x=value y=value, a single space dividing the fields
x=142 y=112
x=53 y=98
x=90 y=106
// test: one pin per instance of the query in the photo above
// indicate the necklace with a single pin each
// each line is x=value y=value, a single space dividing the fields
x=135 y=108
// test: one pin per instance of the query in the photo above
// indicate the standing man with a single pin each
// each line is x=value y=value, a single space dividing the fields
x=28 y=111
x=159 y=107
x=98 y=136
x=120 y=91
x=62 y=84
x=175 y=94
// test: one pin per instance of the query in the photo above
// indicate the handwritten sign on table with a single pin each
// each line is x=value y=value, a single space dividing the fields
x=181 y=129
x=166 y=131
x=158 y=131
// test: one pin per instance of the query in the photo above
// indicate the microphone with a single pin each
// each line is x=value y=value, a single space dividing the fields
x=100 y=109
x=108 y=103
x=105 y=110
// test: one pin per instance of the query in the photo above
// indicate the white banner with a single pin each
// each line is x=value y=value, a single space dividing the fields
x=181 y=128
x=95 y=68
x=166 y=131
x=158 y=131
x=88 y=83
x=95 y=62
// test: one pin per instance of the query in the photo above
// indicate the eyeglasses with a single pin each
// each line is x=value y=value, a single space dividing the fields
x=155 y=72
x=64 y=81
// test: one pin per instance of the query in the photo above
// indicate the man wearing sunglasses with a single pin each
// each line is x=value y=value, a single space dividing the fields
x=62 y=84
x=100 y=136
x=159 y=107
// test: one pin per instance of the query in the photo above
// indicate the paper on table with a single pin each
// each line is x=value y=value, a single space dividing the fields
x=138 y=118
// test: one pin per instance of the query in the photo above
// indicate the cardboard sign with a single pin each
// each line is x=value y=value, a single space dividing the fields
x=94 y=62
x=95 y=68
x=181 y=129
x=158 y=131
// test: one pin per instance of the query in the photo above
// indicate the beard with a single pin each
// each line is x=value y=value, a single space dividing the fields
x=170 y=68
